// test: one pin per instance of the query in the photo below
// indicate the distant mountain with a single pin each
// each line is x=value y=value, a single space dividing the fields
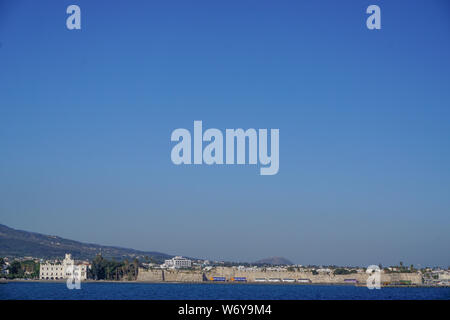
x=276 y=261
x=18 y=243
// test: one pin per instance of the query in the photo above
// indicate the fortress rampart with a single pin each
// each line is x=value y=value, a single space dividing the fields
x=158 y=275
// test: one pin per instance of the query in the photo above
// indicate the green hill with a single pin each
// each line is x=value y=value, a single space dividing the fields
x=277 y=261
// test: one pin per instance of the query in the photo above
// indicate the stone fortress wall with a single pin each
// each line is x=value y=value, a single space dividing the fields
x=251 y=276
x=158 y=275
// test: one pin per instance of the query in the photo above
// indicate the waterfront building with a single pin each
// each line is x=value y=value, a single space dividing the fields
x=62 y=270
x=177 y=262
x=324 y=270
x=443 y=275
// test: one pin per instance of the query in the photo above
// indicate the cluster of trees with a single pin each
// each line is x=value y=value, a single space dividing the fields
x=22 y=269
x=104 y=269
x=101 y=269
x=344 y=271
x=402 y=269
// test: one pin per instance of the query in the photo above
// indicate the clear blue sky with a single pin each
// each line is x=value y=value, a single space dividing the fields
x=364 y=119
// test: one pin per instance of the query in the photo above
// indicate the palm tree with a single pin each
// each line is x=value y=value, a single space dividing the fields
x=126 y=267
x=136 y=267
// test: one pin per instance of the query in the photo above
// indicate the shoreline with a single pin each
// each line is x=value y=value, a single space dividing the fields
x=213 y=282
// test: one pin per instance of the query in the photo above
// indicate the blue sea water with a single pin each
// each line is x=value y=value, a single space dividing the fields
x=171 y=291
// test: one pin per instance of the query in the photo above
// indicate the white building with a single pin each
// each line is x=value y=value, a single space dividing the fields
x=324 y=270
x=62 y=270
x=444 y=275
x=177 y=262
x=4 y=269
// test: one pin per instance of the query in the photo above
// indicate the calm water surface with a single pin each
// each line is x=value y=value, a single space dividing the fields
x=159 y=291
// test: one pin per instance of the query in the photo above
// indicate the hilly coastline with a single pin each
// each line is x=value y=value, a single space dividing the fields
x=19 y=243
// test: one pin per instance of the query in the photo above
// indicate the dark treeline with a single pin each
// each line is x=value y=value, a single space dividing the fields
x=104 y=269
x=21 y=269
